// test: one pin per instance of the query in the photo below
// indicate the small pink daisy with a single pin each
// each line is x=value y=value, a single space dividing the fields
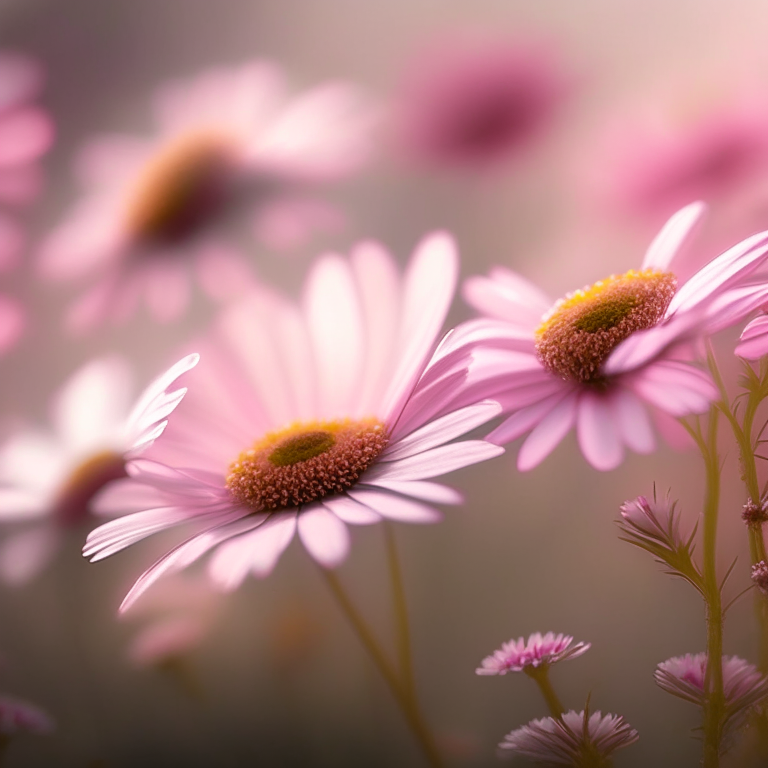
x=96 y=433
x=517 y=655
x=604 y=356
x=577 y=739
x=308 y=419
x=684 y=676
x=154 y=208
x=473 y=106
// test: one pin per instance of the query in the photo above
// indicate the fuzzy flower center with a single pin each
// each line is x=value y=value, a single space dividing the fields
x=582 y=329
x=87 y=479
x=181 y=188
x=305 y=462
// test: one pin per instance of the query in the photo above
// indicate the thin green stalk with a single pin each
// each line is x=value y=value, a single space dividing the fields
x=714 y=706
x=406 y=702
x=541 y=676
x=401 y=612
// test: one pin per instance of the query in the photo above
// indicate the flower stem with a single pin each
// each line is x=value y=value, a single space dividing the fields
x=714 y=706
x=403 y=696
x=541 y=676
x=401 y=612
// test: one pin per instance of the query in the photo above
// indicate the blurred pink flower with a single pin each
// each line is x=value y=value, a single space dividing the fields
x=473 y=106
x=599 y=358
x=12 y=322
x=227 y=140
x=578 y=739
x=48 y=481
x=517 y=655
x=684 y=676
x=17 y=716
x=307 y=420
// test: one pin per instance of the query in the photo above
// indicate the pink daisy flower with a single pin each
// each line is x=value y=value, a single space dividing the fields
x=684 y=676
x=17 y=716
x=578 y=739
x=226 y=139
x=603 y=358
x=540 y=650
x=47 y=481
x=338 y=412
x=472 y=106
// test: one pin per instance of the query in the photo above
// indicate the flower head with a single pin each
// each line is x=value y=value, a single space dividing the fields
x=578 y=739
x=540 y=650
x=227 y=139
x=760 y=576
x=604 y=358
x=309 y=419
x=47 y=482
x=472 y=106
x=685 y=677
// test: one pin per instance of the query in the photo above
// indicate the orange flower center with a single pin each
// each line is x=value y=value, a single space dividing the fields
x=305 y=462
x=181 y=188
x=582 y=329
x=73 y=498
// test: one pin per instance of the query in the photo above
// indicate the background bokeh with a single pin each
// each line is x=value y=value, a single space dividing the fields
x=282 y=679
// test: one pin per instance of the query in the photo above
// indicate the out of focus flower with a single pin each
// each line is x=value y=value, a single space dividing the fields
x=753 y=343
x=26 y=133
x=578 y=739
x=684 y=676
x=760 y=576
x=227 y=140
x=600 y=358
x=308 y=419
x=540 y=650
x=17 y=716
x=473 y=106
x=47 y=481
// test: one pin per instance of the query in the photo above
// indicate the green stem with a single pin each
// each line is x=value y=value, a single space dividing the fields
x=541 y=676
x=714 y=706
x=406 y=701
x=401 y=612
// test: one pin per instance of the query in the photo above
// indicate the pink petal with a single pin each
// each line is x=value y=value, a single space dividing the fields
x=396 y=507
x=734 y=305
x=223 y=272
x=548 y=433
x=441 y=430
x=525 y=419
x=126 y=496
x=672 y=236
x=334 y=319
x=437 y=461
x=754 y=339
x=286 y=223
x=419 y=489
x=597 y=432
x=507 y=296
x=677 y=388
x=325 y=537
x=167 y=291
x=429 y=285
x=350 y=511
x=632 y=421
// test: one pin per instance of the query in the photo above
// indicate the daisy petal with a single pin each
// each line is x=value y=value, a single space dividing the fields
x=673 y=234
x=597 y=432
x=548 y=433
x=396 y=507
x=325 y=537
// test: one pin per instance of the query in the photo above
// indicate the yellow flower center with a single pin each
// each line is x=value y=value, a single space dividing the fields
x=181 y=188
x=73 y=498
x=582 y=329
x=305 y=462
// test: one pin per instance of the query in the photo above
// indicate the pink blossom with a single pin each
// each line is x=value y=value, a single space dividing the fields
x=47 y=481
x=517 y=655
x=607 y=357
x=156 y=209
x=309 y=419
x=474 y=105
x=17 y=716
x=578 y=739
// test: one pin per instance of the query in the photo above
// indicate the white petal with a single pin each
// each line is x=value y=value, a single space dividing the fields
x=396 y=507
x=324 y=535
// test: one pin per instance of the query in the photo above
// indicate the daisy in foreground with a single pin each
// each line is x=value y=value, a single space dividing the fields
x=228 y=141
x=307 y=419
x=95 y=434
x=606 y=357
x=577 y=739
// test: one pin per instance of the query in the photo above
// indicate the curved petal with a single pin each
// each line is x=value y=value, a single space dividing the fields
x=395 y=507
x=676 y=388
x=632 y=421
x=325 y=537
x=548 y=433
x=673 y=234
x=597 y=432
